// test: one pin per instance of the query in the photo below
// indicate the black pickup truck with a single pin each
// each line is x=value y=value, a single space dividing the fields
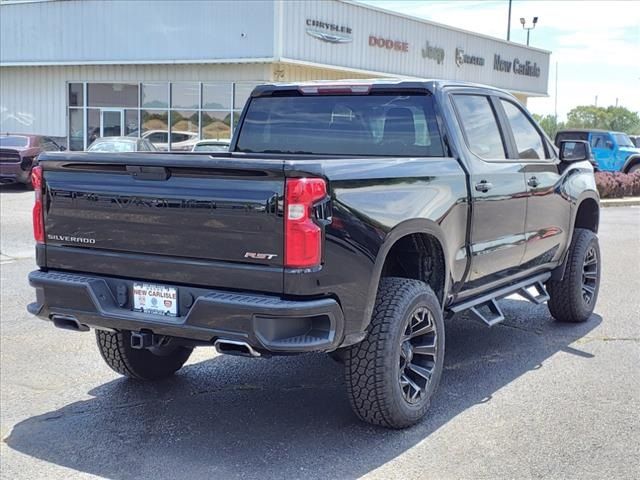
x=347 y=218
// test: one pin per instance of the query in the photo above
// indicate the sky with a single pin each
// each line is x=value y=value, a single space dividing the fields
x=596 y=44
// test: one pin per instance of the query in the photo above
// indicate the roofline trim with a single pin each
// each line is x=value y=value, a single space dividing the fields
x=75 y=63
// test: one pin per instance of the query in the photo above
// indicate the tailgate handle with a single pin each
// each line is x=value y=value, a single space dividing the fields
x=148 y=173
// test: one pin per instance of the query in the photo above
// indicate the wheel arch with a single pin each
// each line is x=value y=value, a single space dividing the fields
x=630 y=162
x=587 y=214
x=396 y=241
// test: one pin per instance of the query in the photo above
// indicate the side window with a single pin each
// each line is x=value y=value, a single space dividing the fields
x=480 y=126
x=528 y=140
x=158 y=137
x=598 y=140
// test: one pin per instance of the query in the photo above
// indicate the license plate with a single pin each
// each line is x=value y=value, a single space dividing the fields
x=155 y=299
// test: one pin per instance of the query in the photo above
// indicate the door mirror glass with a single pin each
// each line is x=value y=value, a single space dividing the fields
x=574 y=151
x=609 y=144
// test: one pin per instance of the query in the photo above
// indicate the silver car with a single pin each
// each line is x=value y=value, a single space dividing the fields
x=121 y=145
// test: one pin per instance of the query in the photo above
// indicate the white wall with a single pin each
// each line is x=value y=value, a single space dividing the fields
x=33 y=99
x=78 y=31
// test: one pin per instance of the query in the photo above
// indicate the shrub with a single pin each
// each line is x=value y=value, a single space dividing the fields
x=618 y=185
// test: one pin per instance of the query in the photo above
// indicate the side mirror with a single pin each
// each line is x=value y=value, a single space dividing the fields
x=609 y=144
x=62 y=148
x=574 y=151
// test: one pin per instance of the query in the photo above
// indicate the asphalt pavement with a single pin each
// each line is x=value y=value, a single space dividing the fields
x=529 y=398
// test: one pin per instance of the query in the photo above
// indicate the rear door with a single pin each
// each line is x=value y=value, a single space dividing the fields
x=160 y=215
x=498 y=192
x=548 y=210
x=602 y=148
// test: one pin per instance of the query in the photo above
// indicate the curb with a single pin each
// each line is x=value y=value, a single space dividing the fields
x=620 y=202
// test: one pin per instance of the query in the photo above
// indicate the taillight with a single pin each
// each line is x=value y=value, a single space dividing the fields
x=303 y=237
x=38 y=210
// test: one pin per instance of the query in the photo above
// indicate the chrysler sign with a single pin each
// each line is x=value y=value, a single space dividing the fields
x=328 y=32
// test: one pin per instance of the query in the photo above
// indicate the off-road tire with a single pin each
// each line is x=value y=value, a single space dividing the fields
x=373 y=366
x=115 y=348
x=566 y=302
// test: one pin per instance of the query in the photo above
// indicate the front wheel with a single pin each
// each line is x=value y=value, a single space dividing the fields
x=393 y=373
x=573 y=298
x=144 y=364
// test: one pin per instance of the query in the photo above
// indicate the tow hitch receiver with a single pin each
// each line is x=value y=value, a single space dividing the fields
x=142 y=340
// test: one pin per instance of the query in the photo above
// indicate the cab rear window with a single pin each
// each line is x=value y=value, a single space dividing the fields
x=371 y=125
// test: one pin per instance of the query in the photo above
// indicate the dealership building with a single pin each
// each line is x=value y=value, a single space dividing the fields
x=79 y=69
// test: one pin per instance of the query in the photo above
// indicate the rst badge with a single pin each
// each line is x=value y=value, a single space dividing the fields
x=260 y=256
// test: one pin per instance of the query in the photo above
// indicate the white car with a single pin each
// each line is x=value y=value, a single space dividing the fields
x=211 y=146
x=179 y=140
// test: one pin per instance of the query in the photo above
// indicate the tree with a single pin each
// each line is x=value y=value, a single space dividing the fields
x=549 y=124
x=623 y=120
x=617 y=119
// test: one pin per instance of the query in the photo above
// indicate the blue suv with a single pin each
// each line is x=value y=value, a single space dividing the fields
x=613 y=151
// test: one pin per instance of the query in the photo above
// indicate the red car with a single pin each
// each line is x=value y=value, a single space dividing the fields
x=18 y=154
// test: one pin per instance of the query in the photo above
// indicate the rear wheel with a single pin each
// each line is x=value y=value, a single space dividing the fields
x=144 y=364
x=573 y=298
x=393 y=373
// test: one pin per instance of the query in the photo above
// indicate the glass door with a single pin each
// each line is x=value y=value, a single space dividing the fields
x=111 y=122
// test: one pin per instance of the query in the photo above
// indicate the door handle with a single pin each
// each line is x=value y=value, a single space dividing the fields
x=483 y=186
x=533 y=182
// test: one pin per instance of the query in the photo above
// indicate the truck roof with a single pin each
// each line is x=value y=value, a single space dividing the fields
x=376 y=83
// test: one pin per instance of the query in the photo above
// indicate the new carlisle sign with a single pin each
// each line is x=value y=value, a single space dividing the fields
x=519 y=68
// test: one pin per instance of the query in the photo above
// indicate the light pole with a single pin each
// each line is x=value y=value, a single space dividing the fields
x=509 y=23
x=528 y=29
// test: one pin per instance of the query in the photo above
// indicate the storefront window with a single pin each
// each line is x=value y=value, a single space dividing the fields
x=216 y=96
x=112 y=95
x=242 y=92
x=76 y=95
x=173 y=116
x=216 y=125
x=93 y=125
x=130 y=123
x=76 y=129
x=184 y=129
x=155 y=95
x=185 y=95
x=155 y=127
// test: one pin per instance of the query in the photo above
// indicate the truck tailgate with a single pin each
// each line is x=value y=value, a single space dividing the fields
x=171 y=208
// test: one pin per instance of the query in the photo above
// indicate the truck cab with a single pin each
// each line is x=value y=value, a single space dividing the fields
x=613 y=151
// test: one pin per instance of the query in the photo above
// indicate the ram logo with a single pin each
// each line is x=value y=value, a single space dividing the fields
x=260 y=256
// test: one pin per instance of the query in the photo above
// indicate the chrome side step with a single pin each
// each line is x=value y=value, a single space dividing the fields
x=486 y=308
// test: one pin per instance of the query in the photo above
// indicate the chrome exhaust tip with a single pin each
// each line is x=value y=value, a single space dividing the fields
x=67 y=322
x=234 y=347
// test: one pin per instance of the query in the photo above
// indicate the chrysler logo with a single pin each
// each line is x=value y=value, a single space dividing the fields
x=328 y=32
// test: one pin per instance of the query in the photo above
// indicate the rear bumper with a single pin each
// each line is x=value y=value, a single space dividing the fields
x=13 y=173
x=267 y=323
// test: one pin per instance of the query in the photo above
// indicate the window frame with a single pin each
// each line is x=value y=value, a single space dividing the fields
x=513 y=154
x=492 y=106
